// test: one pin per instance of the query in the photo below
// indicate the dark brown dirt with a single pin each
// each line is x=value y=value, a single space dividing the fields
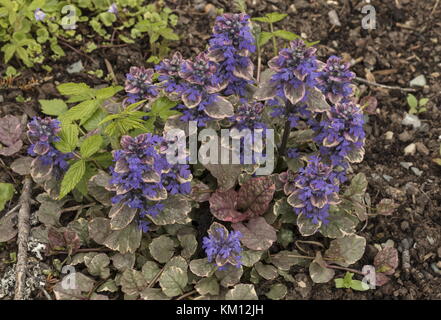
x=405 y=44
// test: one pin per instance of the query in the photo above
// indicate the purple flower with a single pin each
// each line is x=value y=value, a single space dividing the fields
x=230 y=46
x=335 y=79
x=169 y=76
x=249 y=116
x=142 y=177
x=139 y=84
x=316 y=189
x=295 y=71
x=223 y=248
x=113 y=8
x=42 y=133
x=39 y=14
x=341 y=136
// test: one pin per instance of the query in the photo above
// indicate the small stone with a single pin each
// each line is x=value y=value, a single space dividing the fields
x=411 y=120
x=421 y=148
x=1 y=98
x=431 y=240
x=405 y=136
x=292 y=9
x=410 y=149
x=406 y=165
x=419 y=81
x=387 y=178
x=75 y=67
x=417 y=171
x=333 y=18
x=411 y=188
x=404 y=225
x=389 y=135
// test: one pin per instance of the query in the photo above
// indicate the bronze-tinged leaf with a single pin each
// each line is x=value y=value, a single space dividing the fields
x=316 y=101
x=257 y=233
x=347 y=250
x=40 y=170
x=293 y=94
x=200 y=192
x=121 y=215
x=7 y=227
x=386 y=207
x=386 y=261
x=220 y=108
x=14 y=148
x=267 y=88
x=225 y=174
x=223 y=206
x=62 y=239
x=369 y=104
x=255 y=196
x=10 y=130
x=22 y=165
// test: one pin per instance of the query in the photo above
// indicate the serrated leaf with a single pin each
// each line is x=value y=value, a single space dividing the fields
x=71 y=178
x=82 y=111
x=68 y=138
x=286 y=35
x=54 y=107
x=71 y=89
x=91 y=145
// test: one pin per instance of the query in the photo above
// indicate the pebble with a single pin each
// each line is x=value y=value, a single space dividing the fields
x=404 y=225
x=389 y=135
x=1 y=98
x=333 y=18
x=417 y=171
x=410 y=149
x=405 y=136
x=406 y=165
x=419 y=81
x=411 y=120
x=387 y=178
x=75 y=67
x=421 y=148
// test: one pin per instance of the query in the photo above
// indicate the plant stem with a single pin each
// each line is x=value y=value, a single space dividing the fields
x=345 y=269
x=282 y=148
x=186 y=295
x=276 y=50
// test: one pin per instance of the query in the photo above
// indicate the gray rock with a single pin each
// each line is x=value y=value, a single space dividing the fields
x=387 y=178
x=421 y=148
x=419 y=81
x=410 y=149
x=406 y=165
x=333 y=18
x=75 y=67
x=405 y=136
x=411 y=120
x=417 y=171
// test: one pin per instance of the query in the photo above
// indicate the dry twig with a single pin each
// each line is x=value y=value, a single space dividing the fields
x=383 y=85
x=22 y=239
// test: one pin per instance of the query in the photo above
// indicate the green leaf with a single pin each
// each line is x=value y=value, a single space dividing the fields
x=54 y=107
x=72 y=177
x=6 y=193
x=264 y=37
x=168 y=34
x=274 y=17
x=82 y=111
x=286 y=35
x=412 y=101
x=72 y=89
x=107 y=92
x=69 y=138
x=423 y=102
x=242 y=292
x=261 y=19
x=162 y=108
x=9 y=50
x=91 y=145
x=277 y=292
